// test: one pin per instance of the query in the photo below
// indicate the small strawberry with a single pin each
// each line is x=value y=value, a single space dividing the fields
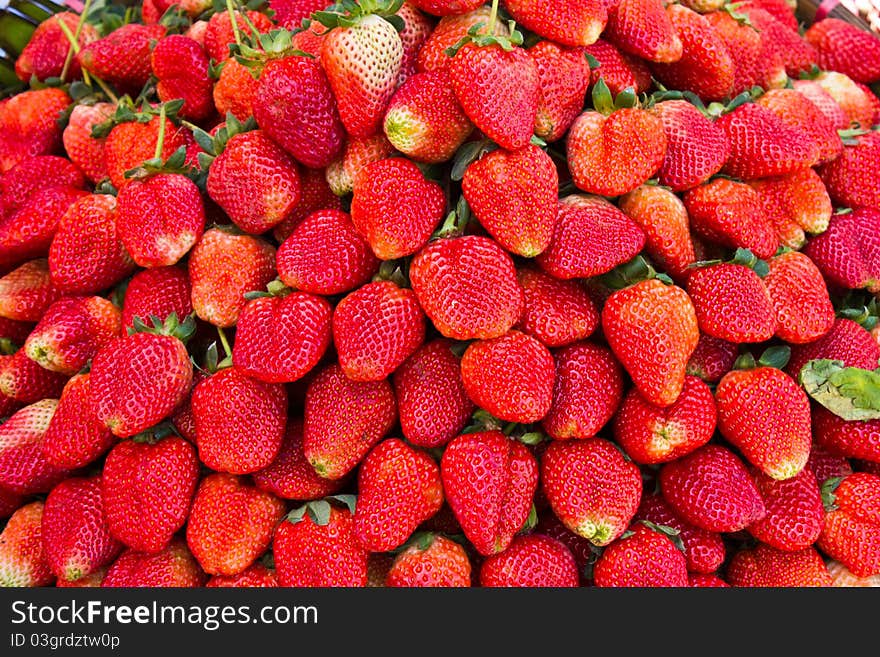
x=156 y=292
x=563 y=77
x=432 y=562
x=220 y=34
x=557 y=313
x=644 y=558
x=235 y=91
x=75 y=437
x=591 y=487
x=846 y=341
x=510 y=376
x=765 y=566
x=853 y=179
x=851 y=531
x=344 y=419
x=23 y=561
x=29 y=126
x=315 y=195
x=644 y=29
x=25 y=381
x=256 y=576
x=489 y=481
x=858 y=439
x=181 y=68
x=704 y=550
x=844 y=47
x=27 y=291
x=824 y=102
x=27 y=232
x=85 y=151
x=23 y=468
x=46 y=52
x=618 y=69
x=797 y=111
x=803 y=308
x=531 y=561
x=451 y=29
x=122 y=58
x=711 y=489
x=781 y=40
x=172 y=567
x=794 y=512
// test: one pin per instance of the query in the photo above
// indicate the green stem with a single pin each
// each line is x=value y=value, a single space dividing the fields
x=160 y=142
x=70 y=52
x=75 y=45
x=493 y=17
x=226 y=348
x=235 y=29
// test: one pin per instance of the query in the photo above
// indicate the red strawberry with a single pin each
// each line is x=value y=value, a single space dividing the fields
x=586 y=393
x=446 y=7
x=730 y=213
x=344 y=419
x=424 y=120
x=803 y=309
x=75 y=437
x=853 y=100
x=563 y=77
x=796 y=110
x=853 y=179
x=703 y=550
x=398 y=489
x=28 y=231
x=859 y=439
x=255 y=576
x=529 y=561
x=122 y=57
x=395 y=207
x=664 y=220
x=137 y=380
x=28 y=125
x=644 y=29
x=318 y=547
x=510 y=376
x=847 y=253
x=223 y=267
x=755 y=61
x=557 y=313
x=845 y=48
x=794 y=512
x=181 y=68
x=239 y=421
x=130 y=144
x=27 y=291
x=591 y=238
x=851 y=531
x=315 y=195
x=156 y=292
x=651 y=434
x=453 y=27
x=617 y=69
x=489 y=481
x=767 y=567
x=824 y=464
x=220 y=34
x=34 y=174
x=846 y=341
x=376 y=328
x=359 y=152
x=294 y=106
x=711 y=489
x=645 y=558
x=591 y=487
x=416 y=29
x=147 y=488
x=22 y=558
x=824 y=101
x=437 y=561
x=290 y=475
x=467 y=287
x=235 y=90
x=25 y=381
x=697 y=580
x=172 y=567
x=76 y=538
x=431 y=398
x=45 y=54
x=696 y=148
x=783 y=41
x=230 y=524
x=23 y=468
x=652 y=329
x=86 y=254
x=577 y=24
x=794 y=203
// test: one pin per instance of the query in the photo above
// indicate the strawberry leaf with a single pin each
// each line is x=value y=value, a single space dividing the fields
x=851 y=393
x=777 y=357
x=828 y=492
x=350 y=501
x=319 y=512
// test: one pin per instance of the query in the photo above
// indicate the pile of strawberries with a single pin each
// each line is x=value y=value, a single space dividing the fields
x=438 y=293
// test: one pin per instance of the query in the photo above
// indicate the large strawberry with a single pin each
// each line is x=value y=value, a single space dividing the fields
x=75 y=437
x=181 y=67
x=766 y=567
x=172 y=567
x=572 y=24
x=803 y=308
x=557 y=313
x=123 y=56
x=433 y=560
x=851 y=531
x=646 y=557
x=846 y=48
x=23 y=468
x=532 y=560
x=46 y=53
x=794 y=512
x=644 y=29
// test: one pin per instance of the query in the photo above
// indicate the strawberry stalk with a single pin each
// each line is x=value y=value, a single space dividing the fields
x=225 y=342
x=231 y=11
x=75 y=46
x=70 y=52
x=160 y=142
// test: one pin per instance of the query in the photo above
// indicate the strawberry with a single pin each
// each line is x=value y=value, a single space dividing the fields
x=159 y=219
x=730 y=213
x=467 y=287
x=28 y=125
x=223 y=267
x=618 y=69
x=645 y=557
x=362 y=55
x=794 y=512
x=510 y=376
x=255 y=576
x=644 y=29
x=697 y=580
x=503 y=187
x=431 y=398
x=845 y=48
x=27 y=233
x=71 y=332
x=842 y=577
x=398 y=489
x=781 y=10
x=32 y=175
x=451 y=29
x=315 y=195
x=489 y=481
x=76 y=538
x=796 y=110
x=704 y=550
x=446 y=7
x=563 y=80
x=375 y=329
x=326 y=236
x=395 y=208
x=577 y=24
x=855 y=102
x=651 y=434
x=344 y=419
x=316 y=546
x=128 y=145
x=846 y=341
x=847 y=253
x=586 y=393
x=824 y=464
x=705 y=67
x=181 y=68
x=281 y=338
x=27 y=291
x=23 y=468
x=75 y=437
x=591 y=237
x=25 y=381
x=711 y=489
x=235 y=91
x=767 y=567
x=858 y=439
x=172 y=567
x=122 y=58
x=663 y=218
x=45 y=54
x=231 y=524
x=22 y=558
x=755 y=61
x=851 y=531
x=156 y=292
x=531 y=561
x=803 y=309
x=557 y=313
x=853 y=179
x=436 y=561
x=824 y=102
x=243 y=436
x=137 y=380
x=86 y=255
x=795 y=203
x=652 y=330
x=295 y=107
x=782 y=40
x=591 y=487
x=358 y=153
x=220 y=34
x=416 y=29
x=290 y=475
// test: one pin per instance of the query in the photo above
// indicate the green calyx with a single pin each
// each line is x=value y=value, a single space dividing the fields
x=154 y=434
x=604 y=103
x=395 y=271
x=671 y=533
x=714 y=110
x=828 y=491
x=483 y=35
x=259 y=49
x=456 y=222
x=319 y=510
x=865 y=313
x=531 y=521
x=468 y=154
x=348 y=13
x=742 y=257
x=213 y=146
x=776 y=357
x=7 y=347
x=172 y=326
x=850 y=137
x=126 y=112
x=733 y=10
x=629 y=273
x=274 y=289
x=851 y=393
